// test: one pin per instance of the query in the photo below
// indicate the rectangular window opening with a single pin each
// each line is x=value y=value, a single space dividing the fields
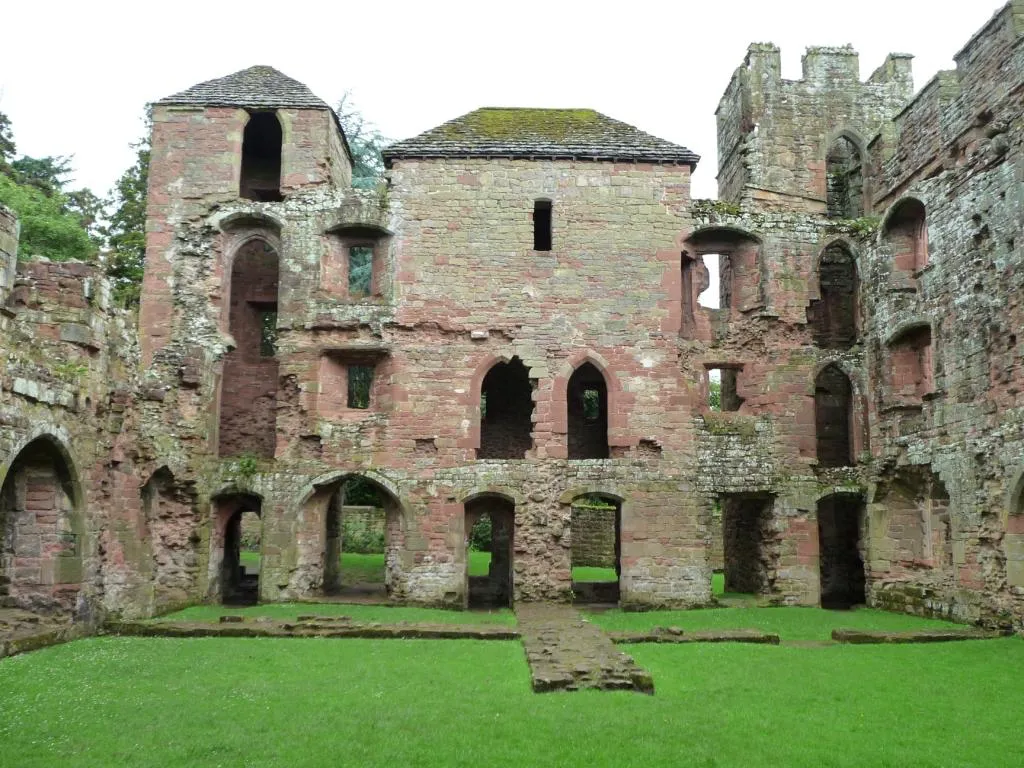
x=722 y=392
x=360 y=382
x=711 y=296
x=268 y=332
x=542 y=225
x=360 y=271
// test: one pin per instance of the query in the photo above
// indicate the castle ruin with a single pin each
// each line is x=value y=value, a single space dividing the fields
x=517 y=320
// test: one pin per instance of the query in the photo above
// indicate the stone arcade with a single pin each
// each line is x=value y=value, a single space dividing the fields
x=514 y=321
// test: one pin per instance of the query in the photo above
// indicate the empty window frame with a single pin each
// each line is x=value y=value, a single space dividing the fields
x=360 y=386
x=542 y=225
x=722 y=389
x=844 y=177
x=260 y=177
x=268 y=332
x=360 y=271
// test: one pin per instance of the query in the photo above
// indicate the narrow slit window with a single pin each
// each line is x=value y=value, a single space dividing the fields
x=360 y=382
x=542 y=225
x=268 y=332
x=360 y=270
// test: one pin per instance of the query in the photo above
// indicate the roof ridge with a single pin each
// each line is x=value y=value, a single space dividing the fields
x=260 y=85
x=540 y=132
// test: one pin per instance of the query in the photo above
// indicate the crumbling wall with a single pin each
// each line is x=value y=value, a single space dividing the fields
x=66 y=381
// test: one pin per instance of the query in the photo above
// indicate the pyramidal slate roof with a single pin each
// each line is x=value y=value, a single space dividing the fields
x=540 y=133
x=259 y=86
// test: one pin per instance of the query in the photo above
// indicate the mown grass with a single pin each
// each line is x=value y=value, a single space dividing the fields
x=788 y=623
x=284 y=702
x=384 y=614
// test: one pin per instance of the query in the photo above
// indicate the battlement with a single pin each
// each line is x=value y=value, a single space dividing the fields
x=796 y=120
x=954 y=104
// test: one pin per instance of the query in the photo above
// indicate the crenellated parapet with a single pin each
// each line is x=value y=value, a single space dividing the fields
x=775 y=134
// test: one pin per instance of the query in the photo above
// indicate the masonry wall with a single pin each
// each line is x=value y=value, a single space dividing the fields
x=148 y=451
x=70 y=537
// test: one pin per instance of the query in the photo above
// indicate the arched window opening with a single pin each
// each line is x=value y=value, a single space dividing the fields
x=840 y=551
x=587 y=401
x=489 y=526
x=542 y=225
x=506 y=412
x=41 y=532
x=249 y=383
x=261 y=158
x=833 y=317
x=240 y=525
x=363 y=540
x=596 y=531
x=844 y=173
x=833 y=412
x=906 y=232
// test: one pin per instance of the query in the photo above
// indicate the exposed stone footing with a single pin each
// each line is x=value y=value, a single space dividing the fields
x=861 y=637
x=676 y=635
x=22 y=631
x=321 y=627
x=566 y=652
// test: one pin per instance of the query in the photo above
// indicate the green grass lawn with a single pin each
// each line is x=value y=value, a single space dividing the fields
x=788 y=623
x=284 y=702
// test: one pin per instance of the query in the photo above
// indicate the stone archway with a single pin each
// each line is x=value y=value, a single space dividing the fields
x=43 y=532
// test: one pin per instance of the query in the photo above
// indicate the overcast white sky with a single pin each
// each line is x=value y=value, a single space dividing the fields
x=74 y=76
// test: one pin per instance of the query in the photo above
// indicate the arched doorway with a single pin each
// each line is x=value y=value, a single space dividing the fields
x=587 y=414
x=363 y=539
x=248 y=392
x=490 y=529
x=840 y=551
x=43 y=533
x=237 y=559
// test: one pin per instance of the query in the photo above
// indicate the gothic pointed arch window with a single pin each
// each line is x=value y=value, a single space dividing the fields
x=844 y=178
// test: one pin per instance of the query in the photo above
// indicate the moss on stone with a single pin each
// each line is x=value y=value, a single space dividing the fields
x=722 y=424
x=509 y=123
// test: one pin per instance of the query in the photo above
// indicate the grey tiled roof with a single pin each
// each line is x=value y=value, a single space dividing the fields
x=258 y=86
x=540 y=133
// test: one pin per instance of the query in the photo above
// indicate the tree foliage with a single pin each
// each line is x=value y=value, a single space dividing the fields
x=715 y=394
x=365 y=141
x=48 y=225
x=57 y=223
x=126 y=229
x=7 y=148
